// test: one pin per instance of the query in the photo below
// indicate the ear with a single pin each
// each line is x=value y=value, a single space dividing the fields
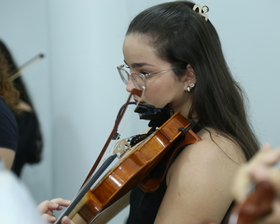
x=190 y=77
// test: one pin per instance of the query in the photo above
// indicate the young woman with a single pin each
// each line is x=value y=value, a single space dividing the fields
x=173 y=53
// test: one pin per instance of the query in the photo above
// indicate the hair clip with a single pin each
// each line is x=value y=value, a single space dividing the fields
x=201 y=10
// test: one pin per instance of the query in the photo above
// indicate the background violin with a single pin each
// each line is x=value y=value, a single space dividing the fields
x=257 y=206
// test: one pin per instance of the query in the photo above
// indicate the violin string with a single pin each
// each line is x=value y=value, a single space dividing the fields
x=131 y=113
x=129 y=117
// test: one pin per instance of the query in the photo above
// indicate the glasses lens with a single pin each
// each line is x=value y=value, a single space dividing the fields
x=138 y=81
x=124 y=75
x=137 y=78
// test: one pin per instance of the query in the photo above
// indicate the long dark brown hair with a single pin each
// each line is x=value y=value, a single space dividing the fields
x=7 y=90
x=182 y=36
x=17 y=91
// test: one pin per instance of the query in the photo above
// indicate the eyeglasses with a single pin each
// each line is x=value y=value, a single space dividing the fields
x=138 y=79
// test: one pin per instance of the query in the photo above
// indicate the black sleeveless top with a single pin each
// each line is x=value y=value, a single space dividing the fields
x=145 y=205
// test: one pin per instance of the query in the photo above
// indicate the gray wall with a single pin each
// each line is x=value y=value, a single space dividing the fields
x=76 y=89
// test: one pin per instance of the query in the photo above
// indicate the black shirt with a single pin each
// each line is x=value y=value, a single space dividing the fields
x=8 y=127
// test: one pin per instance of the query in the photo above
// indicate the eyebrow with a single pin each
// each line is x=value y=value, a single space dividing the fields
x=138 y=65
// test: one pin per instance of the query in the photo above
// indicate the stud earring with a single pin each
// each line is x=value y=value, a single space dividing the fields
x=190 y=87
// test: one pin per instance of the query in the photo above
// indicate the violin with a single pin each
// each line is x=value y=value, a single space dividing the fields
x=257 y=206
x=131 y=170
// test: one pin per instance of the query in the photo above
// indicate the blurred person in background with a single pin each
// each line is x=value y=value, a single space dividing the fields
x=29 y=147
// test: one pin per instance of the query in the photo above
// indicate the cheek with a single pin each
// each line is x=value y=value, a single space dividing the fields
x=159 y=93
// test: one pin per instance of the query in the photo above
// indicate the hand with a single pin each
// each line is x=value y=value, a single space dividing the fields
x=66 y=220
x=47 y=208
x=261 y=167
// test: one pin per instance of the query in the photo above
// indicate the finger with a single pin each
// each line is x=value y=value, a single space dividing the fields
x=265 y=147
x=49 y=218
x=45 y=206
x=272 y=174
x=66 y=220
x=266 y=156
x=61 y=202
x=49 y=212
x=54 y=204
x=248 y=174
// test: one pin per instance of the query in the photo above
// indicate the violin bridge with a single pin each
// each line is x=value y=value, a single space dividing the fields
x=121 y=147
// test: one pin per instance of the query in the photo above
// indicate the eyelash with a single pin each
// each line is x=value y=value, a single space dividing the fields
x=145 y=73
x=142 y=72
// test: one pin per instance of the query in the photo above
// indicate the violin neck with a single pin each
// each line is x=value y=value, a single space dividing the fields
x=81 y=199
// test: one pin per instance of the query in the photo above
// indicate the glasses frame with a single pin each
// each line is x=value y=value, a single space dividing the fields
x=141 y=75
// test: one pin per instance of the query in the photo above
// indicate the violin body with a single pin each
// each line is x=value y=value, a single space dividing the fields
x=133 y=168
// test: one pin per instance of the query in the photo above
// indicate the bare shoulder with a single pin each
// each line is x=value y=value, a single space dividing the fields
x=215 y=147
x=200 y=179
x=214 y=151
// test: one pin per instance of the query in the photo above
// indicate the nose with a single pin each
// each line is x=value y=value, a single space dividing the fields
x=130 y=86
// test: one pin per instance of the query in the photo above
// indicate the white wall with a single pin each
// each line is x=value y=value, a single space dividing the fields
x=76 y=88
